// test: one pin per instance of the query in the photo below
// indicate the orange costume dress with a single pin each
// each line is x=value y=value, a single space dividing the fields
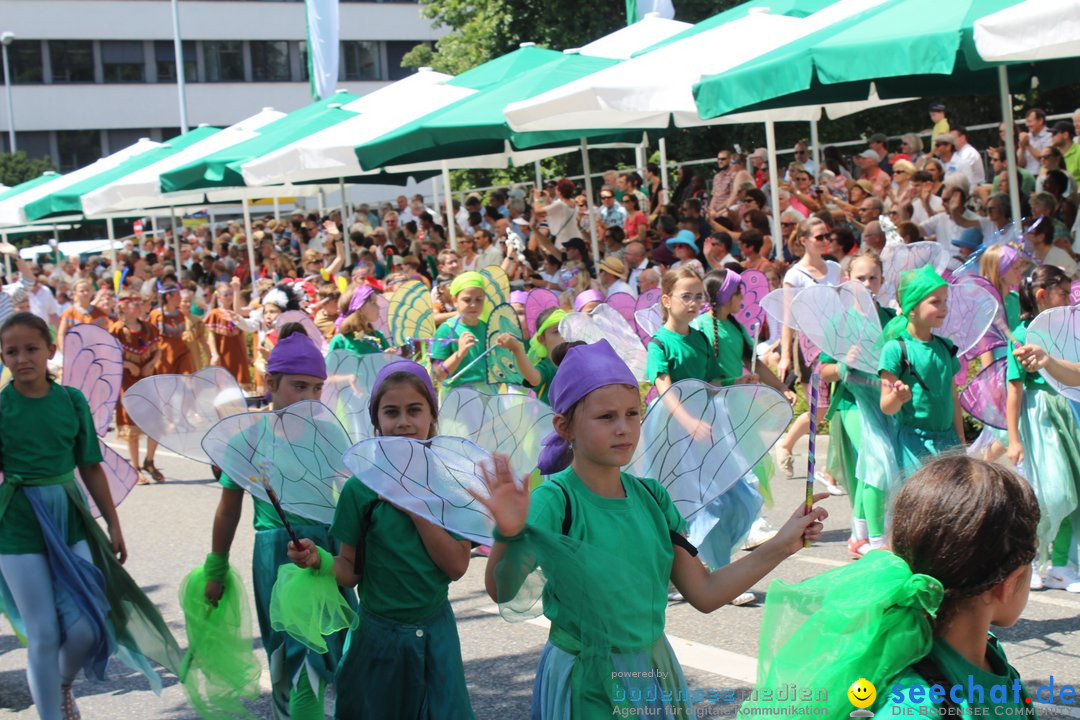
x=138 y=346
x=176 y=357
x=230 y=344
x=75 y=316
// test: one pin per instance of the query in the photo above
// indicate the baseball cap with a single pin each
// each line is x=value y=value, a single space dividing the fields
x=971 y=238
x=1062 y=126
x=869 y=155
x=937 y=107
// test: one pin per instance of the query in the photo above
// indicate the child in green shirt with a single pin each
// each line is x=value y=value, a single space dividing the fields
x=356 y=326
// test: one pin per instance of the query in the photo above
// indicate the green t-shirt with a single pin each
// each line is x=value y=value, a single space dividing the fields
x=964 y=683
x=266 y=517
x=547 y=370
x=440 y=351
x=931 y=406
x=371 y=343
x=1013 y=371
x=1012 y=310
x=1027 y=182
x=681 y=357
x=1072 y=161
x=39 y=438
x=400 y=581
x=727 y=342
x=643 y=521
x=841 y=399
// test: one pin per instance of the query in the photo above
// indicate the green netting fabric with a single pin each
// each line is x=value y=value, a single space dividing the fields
x=220 y=670
x=307 y=604
x=870 y=619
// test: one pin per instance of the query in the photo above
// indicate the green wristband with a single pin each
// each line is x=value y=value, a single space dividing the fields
x=499 y=537
x=216 y=566
x=326 y=563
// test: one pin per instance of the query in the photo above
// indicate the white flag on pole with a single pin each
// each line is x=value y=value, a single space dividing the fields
x=323 y=29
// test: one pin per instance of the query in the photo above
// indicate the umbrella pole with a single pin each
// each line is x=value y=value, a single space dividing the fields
x=539 y=172
x=435 y=199
x=639 y=157
x=277 y=208
x=451 y=223
x=322 y=204
x=176 y=238
x=663 y=169
x=774 y=183
x=112 y=242
x=345 y=222
x=815 y=150
x=1010 y=148
x=153 y=229
x=593 y=228
x=250 y=241
x=7 y=259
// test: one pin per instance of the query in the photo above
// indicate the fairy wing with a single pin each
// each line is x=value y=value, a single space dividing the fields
x=842 y=321
x=626 y=305
x=410 y=315
x=538 y=301
x=298 y=449
x=94 y=364
x=648 y=298
x=178 y=410
x=755 y=286
x=310 y=328
x=512 y=425
x=972 y=310
x=1074 y=293
x=347 y=391
x=384 y=309
x=743 y=421
x=501 y=367
x=496 y=285
x=648 y=321
x=605 y=323
x=899 y=257
x=430 y=478
x=984 y=397
x=1057 y=331
x=777 y=306
x=119 y=473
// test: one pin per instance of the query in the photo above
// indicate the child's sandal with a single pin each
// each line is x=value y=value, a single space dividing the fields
x=149 y=467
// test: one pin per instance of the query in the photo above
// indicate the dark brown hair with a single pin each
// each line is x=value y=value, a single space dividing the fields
x=405 y=378
x=27 y=320
x=966 y=522
x=1043 y=277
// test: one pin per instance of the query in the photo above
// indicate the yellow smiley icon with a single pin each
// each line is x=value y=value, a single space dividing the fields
x=862 y=693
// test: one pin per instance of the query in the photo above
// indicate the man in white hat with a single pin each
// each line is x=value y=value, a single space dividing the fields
x=611 y=272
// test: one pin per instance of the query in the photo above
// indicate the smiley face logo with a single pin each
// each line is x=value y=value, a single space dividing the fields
x=862 y=693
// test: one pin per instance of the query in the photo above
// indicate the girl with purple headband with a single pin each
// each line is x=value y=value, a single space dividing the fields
x=403 y=660
x=356 y=326
x=296 y=371
x=608 y=544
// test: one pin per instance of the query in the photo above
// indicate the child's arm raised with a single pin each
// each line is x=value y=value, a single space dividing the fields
x=508 y=502
x=521 y=359
x=98 y=486
x=707 y=591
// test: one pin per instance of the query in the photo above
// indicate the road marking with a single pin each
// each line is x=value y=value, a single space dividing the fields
x=690 y=654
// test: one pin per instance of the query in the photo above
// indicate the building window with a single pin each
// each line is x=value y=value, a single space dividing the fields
x=270 y=61
x=359 y=60
x=395 y=51
x=72 y=61
x=224 y=60
x=165 y=58
x=35 y=143
x=120 y=139
x=77 y=148
x=26 y=65
x=304 y=75
x=122 y=61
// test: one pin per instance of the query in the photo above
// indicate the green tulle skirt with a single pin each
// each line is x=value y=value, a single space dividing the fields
x=1049 y=433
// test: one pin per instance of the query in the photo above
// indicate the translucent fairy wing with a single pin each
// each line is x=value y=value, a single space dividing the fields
x=648 y=321
x=298 y=449
x=777 y=306
x=984 y=397
x=899 y=257
x=119 y=473
x=501 y=367
x=430 y=478
x=410 y=315
x=310 y=327
x=842 y=321
x=972 y=310
x=626 y=305
x=742 y=422
x=178 y=410
x=497 y=287
x=1057 y=331
x=1074 y=292
x=347 y=392
x=606 y=323
x=513 y=425
x=384 y=309
x=94 y=363
x=648 y=298
x=539 y=300
x=755 y=286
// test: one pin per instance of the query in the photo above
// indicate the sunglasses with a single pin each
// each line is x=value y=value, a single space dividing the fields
x=607 y=197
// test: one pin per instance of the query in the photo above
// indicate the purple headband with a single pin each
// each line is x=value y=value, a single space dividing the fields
x=297 y=355
x=402 y=366
x=519 y=297
x=585 y=298
x=1009 y=256
x=584 y=368
x=728 y=288
x=355 y=303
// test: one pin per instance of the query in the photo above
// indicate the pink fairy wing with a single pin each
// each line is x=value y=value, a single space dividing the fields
x=94 y=364
x=648 y=298
x=118 y=471
x=648 y=321
x=384 y=309
x=755 y=286
x=310 y=327
x=538 y=301
x=1074 y=293
x=626 y=304
x=984 y=397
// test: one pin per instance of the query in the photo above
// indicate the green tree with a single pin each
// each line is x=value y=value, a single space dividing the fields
x=17 y=168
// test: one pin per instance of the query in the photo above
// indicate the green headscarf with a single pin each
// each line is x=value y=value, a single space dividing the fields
x=537 y=351
x=469 y=279
x=915 y=286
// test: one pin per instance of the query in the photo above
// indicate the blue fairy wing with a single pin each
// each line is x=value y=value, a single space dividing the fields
x=972 y=310
x=347 y=391
x=410 y=315
x=513 y=425
x=119 y=473
x=298 y=449
x=94 y=363
x=178 y=410
x=842 y=321
x=984 y=397
x=501 y=367
x=743 y=421
x=1057 y=331
x=430 y=478
x=605 y=323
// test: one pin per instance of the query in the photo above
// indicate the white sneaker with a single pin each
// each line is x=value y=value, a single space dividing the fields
x=831 y=485
x=1036 y=582
x=744 y=599
x=760 y=533
x=1060 y=578
x=785 y=461
x=675 y=596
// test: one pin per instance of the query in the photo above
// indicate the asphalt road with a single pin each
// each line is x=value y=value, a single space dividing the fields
x=167 y=528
